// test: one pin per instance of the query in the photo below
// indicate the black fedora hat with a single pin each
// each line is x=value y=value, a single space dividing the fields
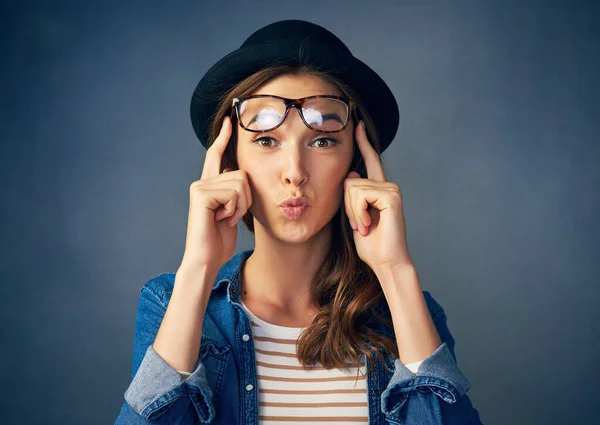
x=295 y=42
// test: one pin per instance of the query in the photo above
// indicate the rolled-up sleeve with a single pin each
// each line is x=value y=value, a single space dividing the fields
x=436 y=392
x=158 y=394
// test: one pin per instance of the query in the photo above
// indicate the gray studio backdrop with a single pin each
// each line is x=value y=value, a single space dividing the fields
x=496 y=155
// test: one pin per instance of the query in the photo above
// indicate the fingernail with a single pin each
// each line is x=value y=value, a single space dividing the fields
x=353 y=224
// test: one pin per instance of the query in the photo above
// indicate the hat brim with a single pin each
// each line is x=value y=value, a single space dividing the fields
x=241 y=63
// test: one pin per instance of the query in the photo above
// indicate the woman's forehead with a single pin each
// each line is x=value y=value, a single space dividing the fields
x=298 y=86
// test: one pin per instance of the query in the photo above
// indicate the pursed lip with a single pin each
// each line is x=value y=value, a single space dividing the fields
x=294 y=202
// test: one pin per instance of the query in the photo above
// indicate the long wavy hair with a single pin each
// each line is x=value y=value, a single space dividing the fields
x=352 y=306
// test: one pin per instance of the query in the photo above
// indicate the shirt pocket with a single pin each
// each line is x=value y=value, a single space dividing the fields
x=214 y=356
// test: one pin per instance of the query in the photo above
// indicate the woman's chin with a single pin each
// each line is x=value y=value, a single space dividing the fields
x=293 y=232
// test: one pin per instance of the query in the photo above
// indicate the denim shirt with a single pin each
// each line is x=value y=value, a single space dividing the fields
x=223 y=387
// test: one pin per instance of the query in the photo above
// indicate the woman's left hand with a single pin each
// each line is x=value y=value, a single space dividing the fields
x=374 y=208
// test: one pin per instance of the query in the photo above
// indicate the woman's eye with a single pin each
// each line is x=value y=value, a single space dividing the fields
x=325 y=142
x=259 y=141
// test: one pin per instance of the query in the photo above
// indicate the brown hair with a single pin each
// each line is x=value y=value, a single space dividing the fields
x=347 y=291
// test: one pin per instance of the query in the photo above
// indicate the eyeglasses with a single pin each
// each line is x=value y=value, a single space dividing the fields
x=265 y=112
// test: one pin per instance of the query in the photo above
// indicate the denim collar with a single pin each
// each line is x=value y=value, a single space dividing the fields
x=229 y=274
x=230 y=278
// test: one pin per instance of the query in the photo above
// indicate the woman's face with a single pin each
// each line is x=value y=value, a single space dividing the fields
x=295 y=161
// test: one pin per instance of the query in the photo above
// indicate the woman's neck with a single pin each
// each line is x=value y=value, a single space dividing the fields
x=281 y=274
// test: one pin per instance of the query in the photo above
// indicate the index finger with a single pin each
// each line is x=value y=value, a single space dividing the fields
x=372 y=161
x=214 y=154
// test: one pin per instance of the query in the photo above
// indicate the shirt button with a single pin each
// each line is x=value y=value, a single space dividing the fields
x=246 y=337
x=376 y=392
x=249 y=387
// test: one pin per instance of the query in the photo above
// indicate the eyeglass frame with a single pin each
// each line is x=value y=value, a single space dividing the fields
x=296 y=103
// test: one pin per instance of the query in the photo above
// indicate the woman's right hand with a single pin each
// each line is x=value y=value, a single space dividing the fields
x=217 y=202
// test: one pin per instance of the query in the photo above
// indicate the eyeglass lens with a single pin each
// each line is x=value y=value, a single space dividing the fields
x=321 y=114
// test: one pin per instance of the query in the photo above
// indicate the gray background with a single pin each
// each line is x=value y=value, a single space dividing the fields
x=497 y=156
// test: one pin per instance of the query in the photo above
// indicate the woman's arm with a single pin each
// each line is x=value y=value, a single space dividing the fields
x=178 y=339
x=167 y=337
x=436 y=393
x=416 y=334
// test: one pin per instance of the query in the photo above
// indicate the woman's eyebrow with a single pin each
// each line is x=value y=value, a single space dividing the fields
x=333 y=116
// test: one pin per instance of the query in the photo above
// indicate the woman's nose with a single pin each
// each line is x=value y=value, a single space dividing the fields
x=294 y=166
x=293 y=161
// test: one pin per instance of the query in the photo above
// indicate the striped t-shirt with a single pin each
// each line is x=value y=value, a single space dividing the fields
x=289 y=394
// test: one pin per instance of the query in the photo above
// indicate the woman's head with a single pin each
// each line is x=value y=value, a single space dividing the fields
x=294 y=160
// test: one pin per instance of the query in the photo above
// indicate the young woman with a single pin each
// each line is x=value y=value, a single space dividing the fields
x=324 y=321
